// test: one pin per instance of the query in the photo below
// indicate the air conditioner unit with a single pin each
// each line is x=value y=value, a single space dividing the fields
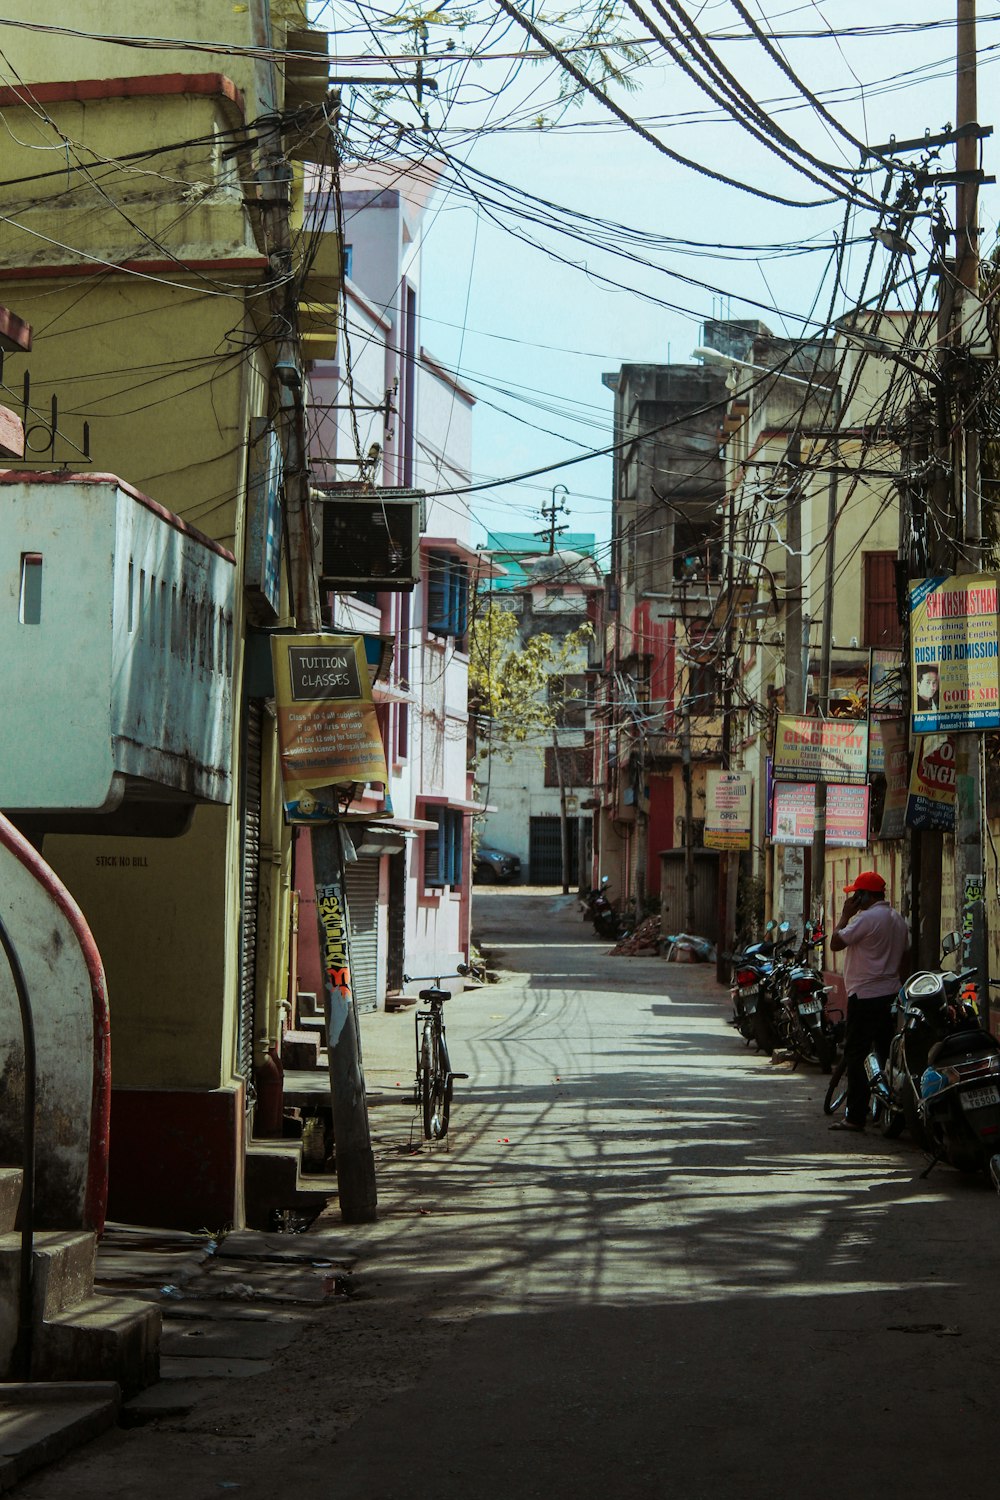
x=371 y=537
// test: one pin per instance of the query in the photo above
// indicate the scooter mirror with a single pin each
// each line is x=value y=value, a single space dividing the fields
x=950 y=942
x=605 y=880
x=785 y=927
x=771 y=925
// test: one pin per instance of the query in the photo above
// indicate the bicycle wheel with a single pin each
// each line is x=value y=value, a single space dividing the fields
x=441 y=1087
x=837 y=1090
x=427 y=1079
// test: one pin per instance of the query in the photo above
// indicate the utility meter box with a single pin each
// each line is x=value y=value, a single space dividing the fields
x=371 y=537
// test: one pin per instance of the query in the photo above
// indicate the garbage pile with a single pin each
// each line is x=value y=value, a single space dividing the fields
x=643 y=941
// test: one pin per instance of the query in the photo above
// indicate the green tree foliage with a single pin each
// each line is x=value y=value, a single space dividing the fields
x=594 y=33
x=509 y=681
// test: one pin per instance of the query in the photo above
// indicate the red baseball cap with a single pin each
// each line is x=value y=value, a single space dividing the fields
x=868 y=880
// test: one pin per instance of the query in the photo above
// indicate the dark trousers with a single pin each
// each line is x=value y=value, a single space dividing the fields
x=869 y=1029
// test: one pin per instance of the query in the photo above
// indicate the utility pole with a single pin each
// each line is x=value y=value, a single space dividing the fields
x=969 y=863
x=689 y=918
x=355 y=1160
x=817 y=901
x=729 y=861
x=792 y=859
x=549 y=513
x=563 y=815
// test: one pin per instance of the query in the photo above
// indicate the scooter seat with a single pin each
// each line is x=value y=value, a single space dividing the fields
x=970 y=1043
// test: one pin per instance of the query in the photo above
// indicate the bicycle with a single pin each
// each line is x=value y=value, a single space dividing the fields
x=878 y=1099
x=433 y=1085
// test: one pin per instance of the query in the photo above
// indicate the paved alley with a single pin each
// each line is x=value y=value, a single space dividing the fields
x=640 y=1265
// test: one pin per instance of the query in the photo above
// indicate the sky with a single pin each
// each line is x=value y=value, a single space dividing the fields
x=531 y=335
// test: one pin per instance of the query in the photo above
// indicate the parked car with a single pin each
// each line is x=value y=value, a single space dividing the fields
x=496 y=865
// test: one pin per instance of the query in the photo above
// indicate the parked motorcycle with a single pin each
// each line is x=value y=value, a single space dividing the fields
x=751 y=970
x=767 y=1032
x=803 y=1026
x=606 y=921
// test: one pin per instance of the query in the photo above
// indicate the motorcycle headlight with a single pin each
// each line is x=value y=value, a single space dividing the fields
x=922 y=986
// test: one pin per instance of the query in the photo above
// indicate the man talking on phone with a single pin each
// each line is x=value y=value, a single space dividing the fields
x=874 y=940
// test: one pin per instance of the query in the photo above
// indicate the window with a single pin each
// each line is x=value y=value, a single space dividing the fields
x=447 y=596
x=443 y=847
x=567 y=696
x=575 y=761
x=29 y=610
x=882 y=626
x=702 y=673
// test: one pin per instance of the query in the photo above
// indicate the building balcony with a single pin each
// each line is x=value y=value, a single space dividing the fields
x=117 y=639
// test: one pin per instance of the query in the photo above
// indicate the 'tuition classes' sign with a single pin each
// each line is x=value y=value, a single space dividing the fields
x=328 y=733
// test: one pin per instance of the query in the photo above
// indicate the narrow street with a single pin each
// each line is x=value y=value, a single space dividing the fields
x=640 y=1265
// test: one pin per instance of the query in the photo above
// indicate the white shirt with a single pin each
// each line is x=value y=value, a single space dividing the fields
x=874 y=943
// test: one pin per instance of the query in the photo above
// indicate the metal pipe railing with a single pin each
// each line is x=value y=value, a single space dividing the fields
x=21 y=1363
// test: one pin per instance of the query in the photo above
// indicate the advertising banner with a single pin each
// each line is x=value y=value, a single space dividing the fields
x=262 y=563
x=886 y=684
x=792 y=815
x=886 y=700
x=728 y=809
x=328 y=734
x=830 y=750
x=931 y=799
x=954 y=654
x=894 y=735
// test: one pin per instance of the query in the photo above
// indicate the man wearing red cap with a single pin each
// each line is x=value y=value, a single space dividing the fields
x=874 y=941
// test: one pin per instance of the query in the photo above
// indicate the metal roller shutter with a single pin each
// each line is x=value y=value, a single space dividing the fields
x=250 y=818
x=362 y=880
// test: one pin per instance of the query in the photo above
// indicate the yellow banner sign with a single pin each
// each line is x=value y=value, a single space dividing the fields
x=728 y=809
x=328 y=734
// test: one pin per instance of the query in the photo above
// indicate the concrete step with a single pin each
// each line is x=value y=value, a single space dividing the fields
x=62 y=1273
x=300 y=1050
x=40 y=1423
x=273 y=1183
x=101 y=1338
x=10 y=1197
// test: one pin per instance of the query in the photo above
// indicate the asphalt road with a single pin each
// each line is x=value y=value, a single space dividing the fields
x=641 y=1266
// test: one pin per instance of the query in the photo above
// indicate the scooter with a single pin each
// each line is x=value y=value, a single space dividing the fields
x=930 y=1007
x=960 y=1087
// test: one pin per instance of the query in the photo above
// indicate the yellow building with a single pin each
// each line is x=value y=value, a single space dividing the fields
x=819 y=435
x=139 y=239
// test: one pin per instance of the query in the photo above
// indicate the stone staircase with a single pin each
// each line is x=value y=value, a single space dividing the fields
x=78 y=1333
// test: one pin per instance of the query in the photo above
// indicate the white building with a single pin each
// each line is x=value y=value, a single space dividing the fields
x=530 y=787
x=387 y=413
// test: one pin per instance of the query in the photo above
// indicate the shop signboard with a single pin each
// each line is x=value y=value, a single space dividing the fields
x=328 y=734
x=830 y=750
x=262 y=563
x=894 y=735
x=954 y=653
x=728 y=809
x=793 y=809
x=931 y=799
